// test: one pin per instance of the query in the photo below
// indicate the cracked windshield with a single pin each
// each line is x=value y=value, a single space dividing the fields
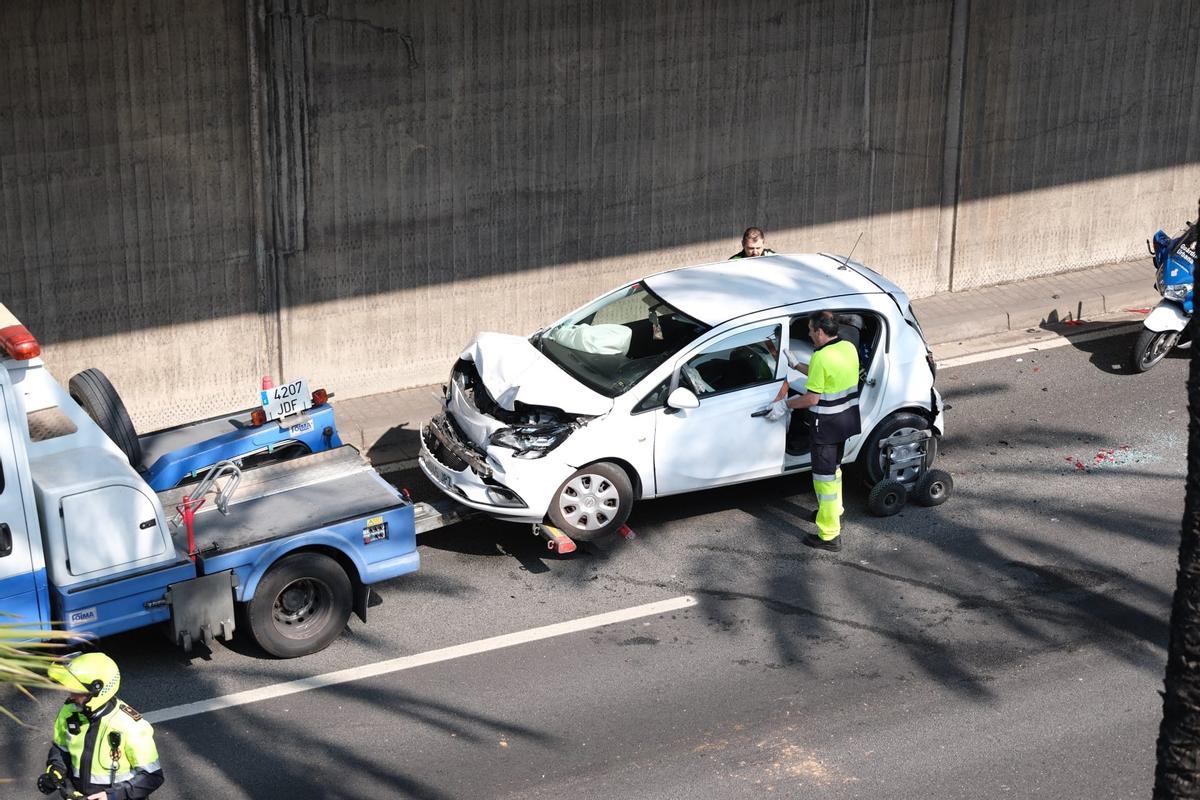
x=616 y=341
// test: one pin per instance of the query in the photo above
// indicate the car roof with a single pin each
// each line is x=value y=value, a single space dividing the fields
x=718 y=292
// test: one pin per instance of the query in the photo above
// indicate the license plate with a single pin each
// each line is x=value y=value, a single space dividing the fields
x=290 y=398
x=436 y=472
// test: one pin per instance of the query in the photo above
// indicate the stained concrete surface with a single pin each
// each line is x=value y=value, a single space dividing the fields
x=198 y=193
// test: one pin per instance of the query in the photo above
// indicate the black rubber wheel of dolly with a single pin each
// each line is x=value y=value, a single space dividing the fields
x=887 y=498
x=301 y=605
x=933 y=488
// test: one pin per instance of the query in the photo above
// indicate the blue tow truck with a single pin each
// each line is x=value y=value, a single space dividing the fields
x=89 y=544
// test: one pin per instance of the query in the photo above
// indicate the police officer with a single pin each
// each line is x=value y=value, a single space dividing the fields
x=103 y=749
x=831 y=395
x=754 y=243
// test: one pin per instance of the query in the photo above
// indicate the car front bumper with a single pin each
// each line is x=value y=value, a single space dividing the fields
x=483 y=480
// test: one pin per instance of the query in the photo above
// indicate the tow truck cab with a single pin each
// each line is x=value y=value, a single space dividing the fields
x=88 y=546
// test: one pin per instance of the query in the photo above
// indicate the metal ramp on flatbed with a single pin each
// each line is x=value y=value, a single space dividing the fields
x=440 y=513
x=297 y=495
x=302 y=494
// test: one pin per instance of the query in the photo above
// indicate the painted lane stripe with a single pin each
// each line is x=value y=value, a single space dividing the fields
x=418 y=660
x=1035 y=346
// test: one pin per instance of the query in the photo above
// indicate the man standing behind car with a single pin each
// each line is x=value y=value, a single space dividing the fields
x=832 y=397
x=754 y=243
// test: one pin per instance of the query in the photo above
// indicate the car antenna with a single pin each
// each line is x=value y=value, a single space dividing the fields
x=845 y=264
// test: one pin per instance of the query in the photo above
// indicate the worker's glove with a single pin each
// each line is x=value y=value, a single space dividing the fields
x=49 y=781
x=779 y=409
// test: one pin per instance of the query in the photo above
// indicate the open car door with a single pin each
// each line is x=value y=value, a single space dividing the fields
x=727 y=437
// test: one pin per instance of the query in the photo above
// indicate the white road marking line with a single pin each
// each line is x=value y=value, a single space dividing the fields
x=1034 y=346
x=419 y=659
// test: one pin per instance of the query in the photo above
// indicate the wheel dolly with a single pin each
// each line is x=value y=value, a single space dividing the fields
x=909 y=458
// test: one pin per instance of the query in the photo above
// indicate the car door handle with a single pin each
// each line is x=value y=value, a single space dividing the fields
x=6 y=546
x=762 y=412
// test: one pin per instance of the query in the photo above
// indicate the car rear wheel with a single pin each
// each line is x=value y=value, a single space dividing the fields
x=595 y=501
x=873 y=460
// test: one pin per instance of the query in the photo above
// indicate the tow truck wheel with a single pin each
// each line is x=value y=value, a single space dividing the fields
x=1152 y=347
x=887 y=498
x=301 y=605
x=933 y=488
x=94 y=393
x=593 y=502
x=871 y=458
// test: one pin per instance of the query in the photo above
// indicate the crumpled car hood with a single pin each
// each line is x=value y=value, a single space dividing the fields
x=514 y=370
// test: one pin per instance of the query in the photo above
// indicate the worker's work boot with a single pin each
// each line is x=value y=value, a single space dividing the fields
x=833 y=545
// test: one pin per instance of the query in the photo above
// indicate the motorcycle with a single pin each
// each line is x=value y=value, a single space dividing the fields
x=1165 y=327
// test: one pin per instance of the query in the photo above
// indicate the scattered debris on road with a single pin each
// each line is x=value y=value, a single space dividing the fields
x=1109 y=457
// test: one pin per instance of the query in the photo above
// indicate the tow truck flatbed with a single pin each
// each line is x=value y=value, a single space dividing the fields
x=309 y=492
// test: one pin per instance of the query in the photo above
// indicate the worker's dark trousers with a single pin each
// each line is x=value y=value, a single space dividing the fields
x=827 y=483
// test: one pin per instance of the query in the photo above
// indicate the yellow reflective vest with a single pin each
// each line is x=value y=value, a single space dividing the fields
x=833 y=374
x=112 y=747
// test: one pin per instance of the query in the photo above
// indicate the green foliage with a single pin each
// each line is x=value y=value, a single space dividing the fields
x=25 y=655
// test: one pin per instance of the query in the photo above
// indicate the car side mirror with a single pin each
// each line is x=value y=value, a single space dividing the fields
x=683 y=398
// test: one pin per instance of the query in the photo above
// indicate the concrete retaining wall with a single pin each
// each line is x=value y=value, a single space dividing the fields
x=197 y=193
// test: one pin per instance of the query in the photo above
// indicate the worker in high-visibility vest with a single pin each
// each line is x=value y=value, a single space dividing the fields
x=102 y=749
x=831 y=395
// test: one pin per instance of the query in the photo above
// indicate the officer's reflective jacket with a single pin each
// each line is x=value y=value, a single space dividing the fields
x=833 y=374
x=111 y=750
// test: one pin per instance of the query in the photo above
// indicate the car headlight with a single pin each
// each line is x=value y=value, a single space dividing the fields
x=531 y=441
x=1177 y=291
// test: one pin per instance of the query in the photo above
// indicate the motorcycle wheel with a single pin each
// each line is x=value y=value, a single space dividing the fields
x=1151 y=347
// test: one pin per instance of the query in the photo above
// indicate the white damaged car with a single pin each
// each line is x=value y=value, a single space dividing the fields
x=663 y=386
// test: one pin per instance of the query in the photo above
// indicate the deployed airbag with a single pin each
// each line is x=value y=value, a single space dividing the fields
x=604 y=340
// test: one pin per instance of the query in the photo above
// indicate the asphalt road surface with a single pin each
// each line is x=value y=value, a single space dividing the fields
x=1009 y=643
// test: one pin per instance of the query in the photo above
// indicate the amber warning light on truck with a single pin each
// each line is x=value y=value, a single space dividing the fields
x=15 y=339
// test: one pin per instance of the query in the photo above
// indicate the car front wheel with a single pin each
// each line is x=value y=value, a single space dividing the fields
x=593 y=502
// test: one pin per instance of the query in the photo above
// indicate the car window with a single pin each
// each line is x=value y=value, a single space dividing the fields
x=613 y=343
x=655 y=399
x=861 y=328
x=746 y=359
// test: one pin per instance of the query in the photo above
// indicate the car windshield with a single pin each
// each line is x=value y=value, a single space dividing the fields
x=619 y=339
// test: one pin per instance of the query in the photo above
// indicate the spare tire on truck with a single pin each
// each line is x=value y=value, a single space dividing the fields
x=94 y=393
